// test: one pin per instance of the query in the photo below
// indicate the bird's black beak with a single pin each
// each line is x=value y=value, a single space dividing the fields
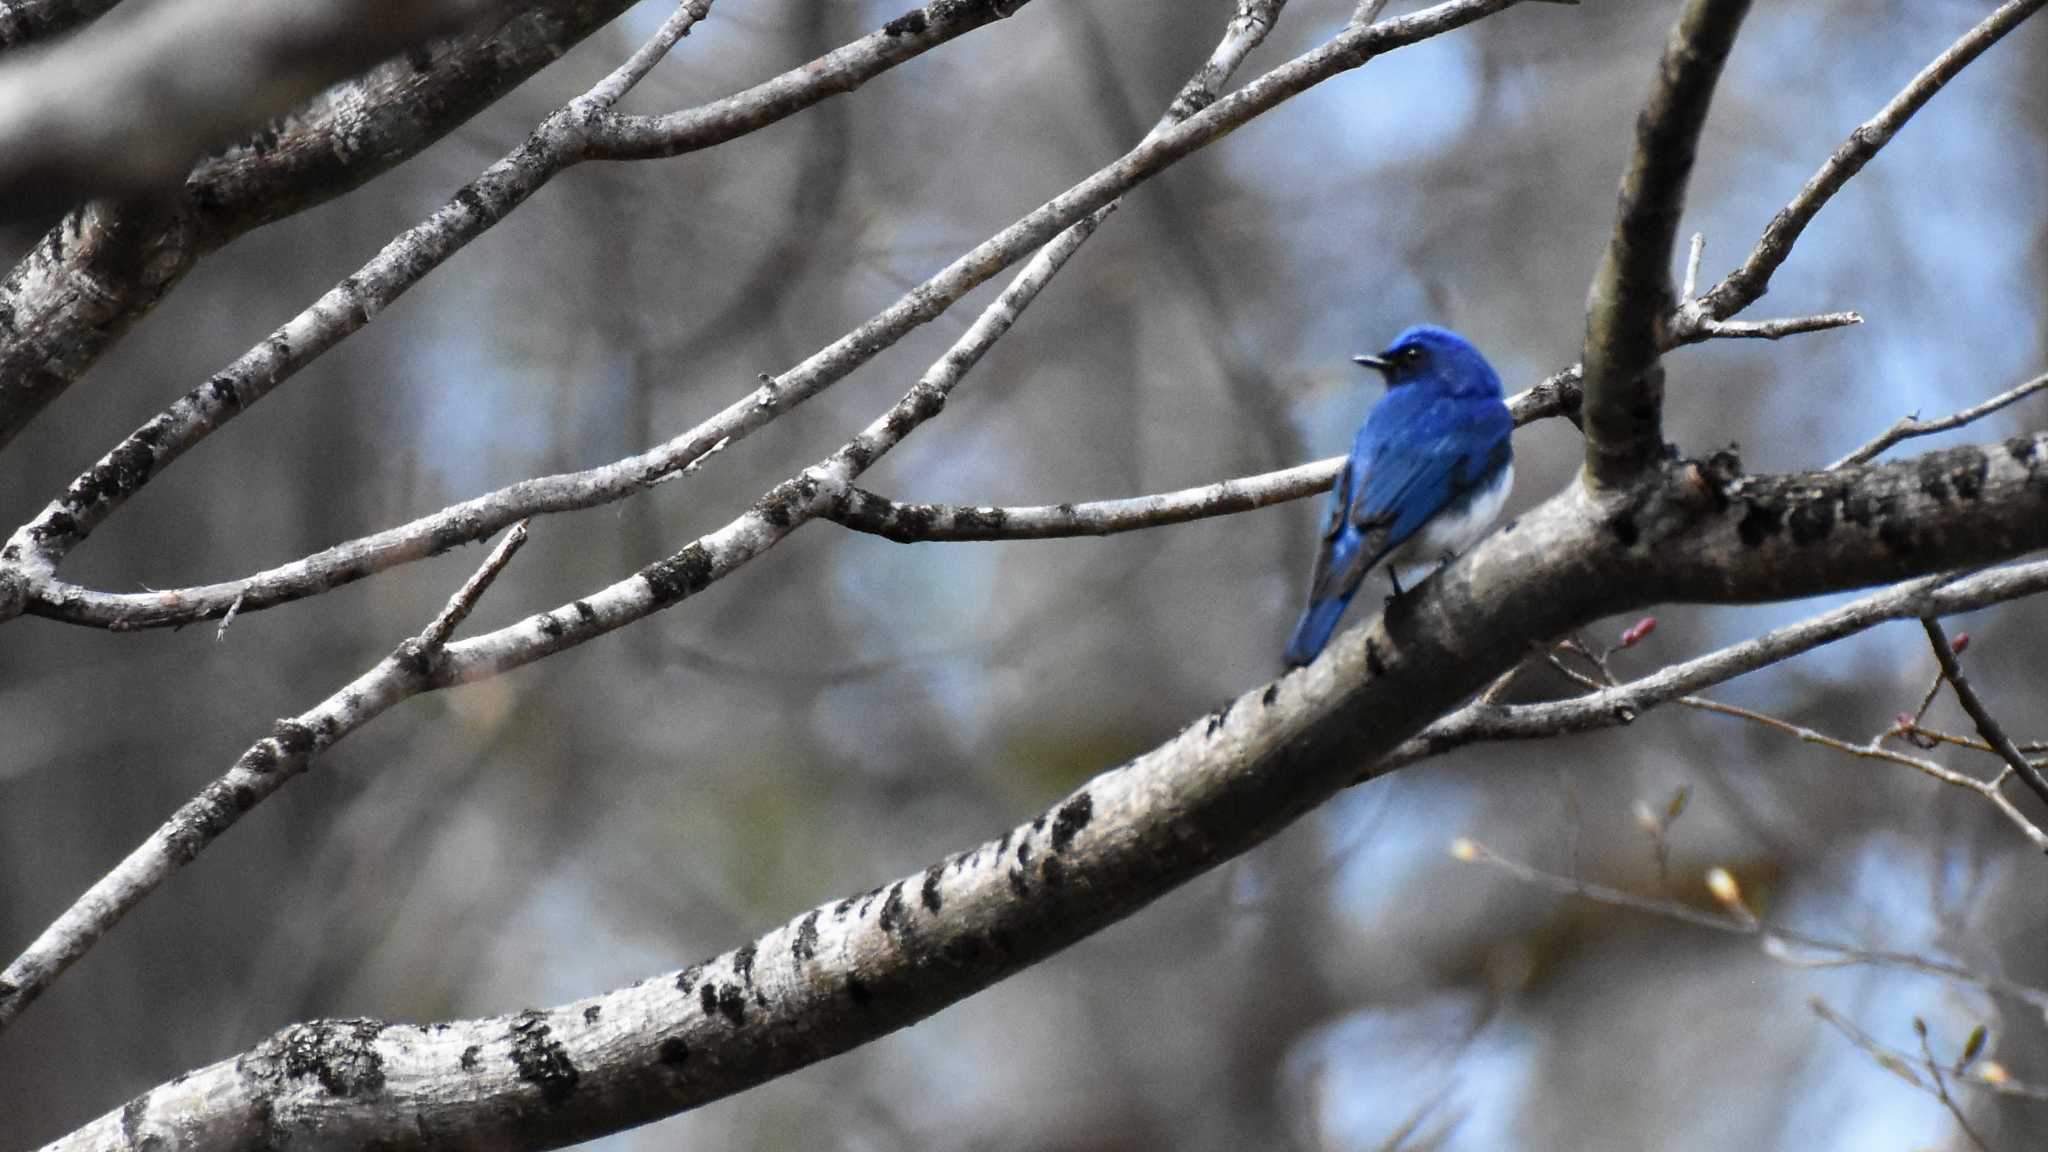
x=1375 y=363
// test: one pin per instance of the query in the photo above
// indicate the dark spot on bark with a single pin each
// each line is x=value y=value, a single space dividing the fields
x=805 y=945
x=1003 y=844
x=774 y=507
x=908 y=24
x=1374 y=663
x=707 y=998
x=1624 y=528
x=468 y=198
x=221 y=390
x=1932 y=480
x=895 y=917
x=591 y=1013
x=743 y=964
x=688 y=977
x=1019 y=883
x=684 y=574
x=857 y=990
x=1024 y=853
x=245 y=797
x=1812 y=520
x=981 y=519
x=1968 y=475
x=673 y=1052
x=1054 y=872
x=732 y=1003
x=132 y=1115
x=1859 y=509
x=292 y=737
x=859 y=453
x=1072 y=817
x=542 y=1062
x=584 y=610
x=913 y=520
x=933 y=900
x=1038 y=825
x=1760 y=521
x=1894 y=531
x=840 y=909
x=2021 y=449
x=340 y=1054
x=1271 y=694
x=56 y=525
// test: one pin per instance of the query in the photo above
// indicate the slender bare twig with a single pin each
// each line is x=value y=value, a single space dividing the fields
x=1941 y=1092
x=1911 y=426
x=864 y=511
x=1744 y=286
x=435 y=636
x=1789 y=946
x=1987 y=724
x=1992 y=789
x=1631 y=298
x=1780 y=328
x=1613 y=707
x=1990 y=1076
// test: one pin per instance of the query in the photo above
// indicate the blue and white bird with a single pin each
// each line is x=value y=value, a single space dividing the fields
x=1429 y=471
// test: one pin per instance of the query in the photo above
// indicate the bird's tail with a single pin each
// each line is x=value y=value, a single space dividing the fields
x=1314 y=630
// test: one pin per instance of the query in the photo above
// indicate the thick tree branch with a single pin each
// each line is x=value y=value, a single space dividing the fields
x=34 y=547
x=107 y=264
x=1747 y=284
x=24 y=22
x=125 y=107
x=1632 y=298
x=846 y=972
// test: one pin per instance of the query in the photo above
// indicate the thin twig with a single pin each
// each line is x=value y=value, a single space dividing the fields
x=1789 y=946
x=1780 y=328
x=1911 y=426
x=1902 y=1064
x=435 y=636
x=1747 y=284
x=1987 y=725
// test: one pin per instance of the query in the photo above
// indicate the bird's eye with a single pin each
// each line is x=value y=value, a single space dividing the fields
x=1411 y=354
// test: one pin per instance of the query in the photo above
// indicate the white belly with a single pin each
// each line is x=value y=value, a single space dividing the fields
x=1456 y=529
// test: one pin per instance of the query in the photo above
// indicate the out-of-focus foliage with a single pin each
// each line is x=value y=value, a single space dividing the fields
x=847 y=709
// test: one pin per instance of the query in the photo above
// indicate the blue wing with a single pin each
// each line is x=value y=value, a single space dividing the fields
x=1416 y=455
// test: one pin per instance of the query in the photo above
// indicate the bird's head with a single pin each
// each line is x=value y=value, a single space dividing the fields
x=1437 y=358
